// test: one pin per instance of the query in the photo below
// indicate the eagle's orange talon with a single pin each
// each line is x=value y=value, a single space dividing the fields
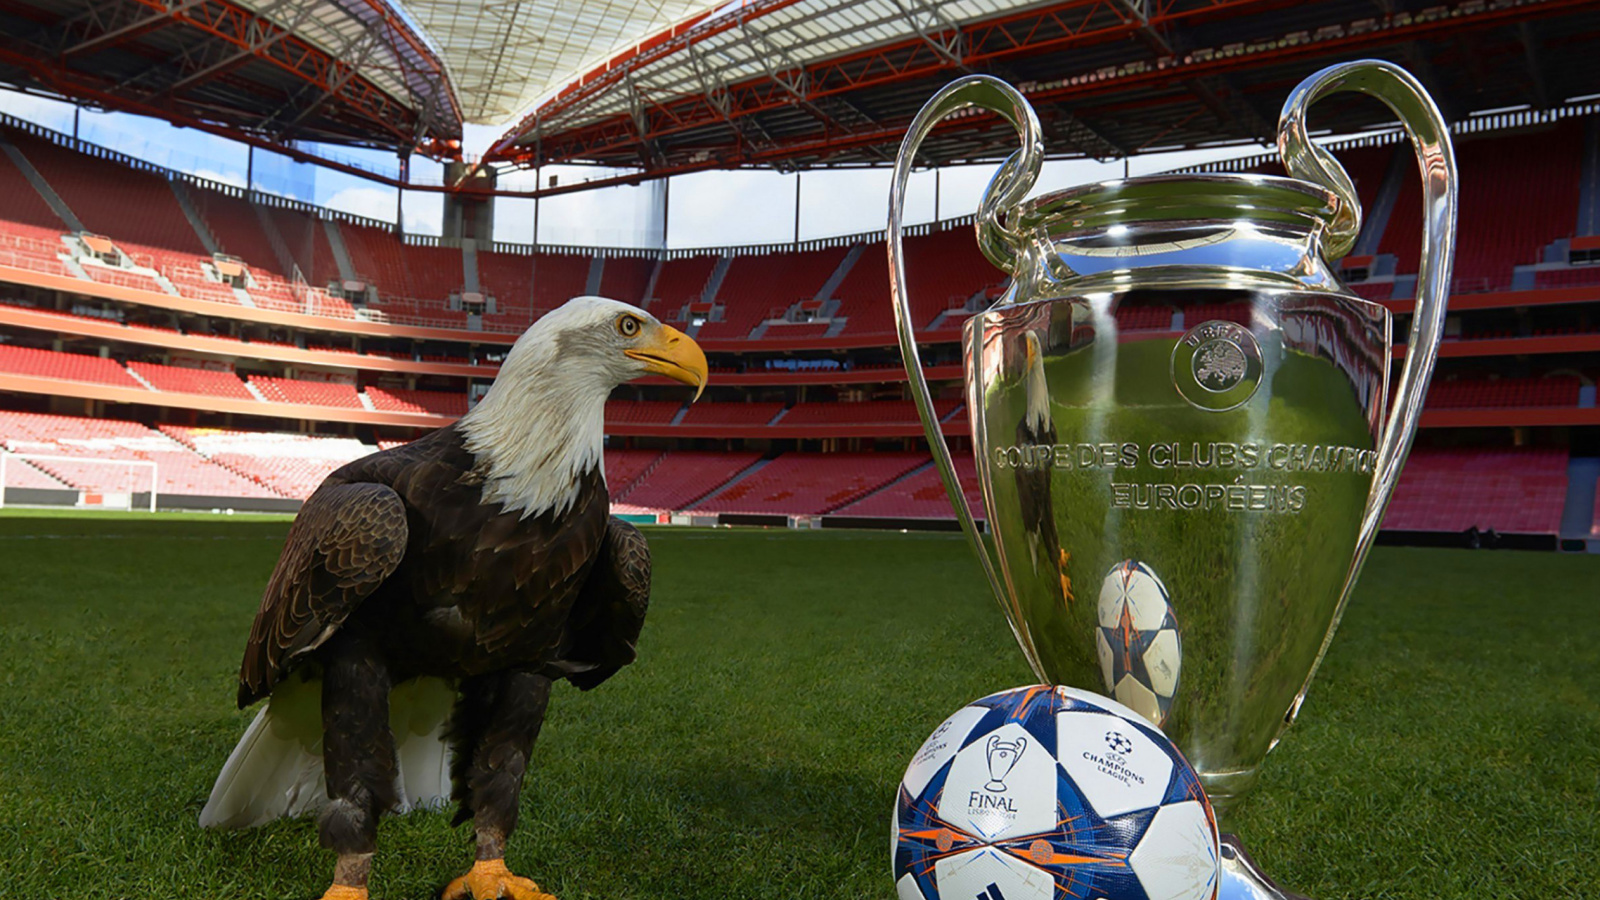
x=344 y=892
x=489 y=879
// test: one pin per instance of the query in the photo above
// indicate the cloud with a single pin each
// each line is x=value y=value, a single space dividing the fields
x=374 y=203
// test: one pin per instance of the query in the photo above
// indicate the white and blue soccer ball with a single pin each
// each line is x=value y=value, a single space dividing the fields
x=1051 y=793
x=1141 y=651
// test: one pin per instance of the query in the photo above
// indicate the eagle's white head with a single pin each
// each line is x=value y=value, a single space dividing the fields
x=541 y=427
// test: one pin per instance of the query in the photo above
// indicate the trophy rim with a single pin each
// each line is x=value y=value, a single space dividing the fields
x=1202 y=197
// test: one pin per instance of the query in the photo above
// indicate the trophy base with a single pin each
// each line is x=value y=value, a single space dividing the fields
x=1242 y=879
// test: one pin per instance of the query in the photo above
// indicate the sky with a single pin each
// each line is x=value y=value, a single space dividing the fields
x=704 y=209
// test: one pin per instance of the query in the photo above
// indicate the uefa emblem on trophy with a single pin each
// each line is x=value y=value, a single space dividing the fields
x=1220 y=479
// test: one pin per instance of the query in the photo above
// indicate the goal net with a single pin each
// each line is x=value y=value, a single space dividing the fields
x=124 y=484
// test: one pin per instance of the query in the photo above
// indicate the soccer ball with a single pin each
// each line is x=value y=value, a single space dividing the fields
x=1051 y=793
x=1141 y=653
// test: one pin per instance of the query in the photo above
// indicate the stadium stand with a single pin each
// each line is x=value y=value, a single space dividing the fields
x=307 y=242
x=289 y=465
x=114 y=200
x=682 y=281
x=810 y=483
x=757 y=413
x=1515 y=491
x=1505 y=221
x=623 y=468
x=875 y=412
x=681 y=477
x=770 y=295
x=179 y=470
x=763 y=286
x=314 y=393
x=191 y=381
x=1557 y=390
x=237 y=228
x=641 y=411
x=557 y=278
x=64 y=366
x=442 y=403
x=921 y=494
x=626 y=277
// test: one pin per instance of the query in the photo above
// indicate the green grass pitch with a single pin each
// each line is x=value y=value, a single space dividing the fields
x=1451 y=747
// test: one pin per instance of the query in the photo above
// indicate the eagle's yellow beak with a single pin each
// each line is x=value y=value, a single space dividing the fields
x=674 y=354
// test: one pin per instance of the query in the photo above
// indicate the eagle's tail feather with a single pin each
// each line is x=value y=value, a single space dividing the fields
x=276 y=771
x=276 y=768
x=419 y=714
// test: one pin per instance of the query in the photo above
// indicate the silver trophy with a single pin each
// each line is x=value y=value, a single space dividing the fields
x=1180 y=510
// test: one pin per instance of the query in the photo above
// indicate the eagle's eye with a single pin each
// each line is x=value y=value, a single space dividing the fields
x=628 y=325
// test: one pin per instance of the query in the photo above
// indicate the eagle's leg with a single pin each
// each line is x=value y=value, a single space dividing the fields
x=358 y=759
x=496 y=724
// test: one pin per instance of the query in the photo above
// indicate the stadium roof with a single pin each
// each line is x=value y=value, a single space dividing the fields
x=799 y=83
x=347 y=71
x=505 y=55
x=661 y=87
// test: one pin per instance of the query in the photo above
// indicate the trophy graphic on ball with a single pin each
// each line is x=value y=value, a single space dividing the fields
x=1002 y=757
x=1220 y=478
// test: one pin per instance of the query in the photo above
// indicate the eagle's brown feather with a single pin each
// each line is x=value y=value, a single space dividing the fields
x=403 y=546
x=347 y=539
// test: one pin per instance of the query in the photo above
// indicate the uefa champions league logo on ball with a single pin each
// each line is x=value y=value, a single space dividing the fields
x=1119 y=743
x=1003 y=755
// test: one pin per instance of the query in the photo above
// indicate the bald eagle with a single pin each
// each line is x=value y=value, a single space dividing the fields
x=428 y=595
x=1035 y=497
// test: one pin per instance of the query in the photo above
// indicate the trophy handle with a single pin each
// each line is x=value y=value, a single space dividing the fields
x=996 y=238
x=1430 y=137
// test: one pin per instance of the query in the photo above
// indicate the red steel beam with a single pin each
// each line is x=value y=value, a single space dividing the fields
x=761 y=95
x=1074 y=23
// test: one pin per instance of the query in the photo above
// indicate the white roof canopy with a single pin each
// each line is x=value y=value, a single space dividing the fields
x=503 y=55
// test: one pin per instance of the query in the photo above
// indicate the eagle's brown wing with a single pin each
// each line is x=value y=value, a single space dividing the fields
x=346 y=540
x=603 y=633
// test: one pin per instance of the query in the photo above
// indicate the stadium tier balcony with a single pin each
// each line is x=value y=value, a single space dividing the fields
x=731 y=413
x=788 y=331
x=625 y=278
x=191 y=381
x=128 y=278
x=64 y=366
x=652 y=412
x=313 y=393
x=681 y=477
x=921 y=495
x=33 y=249
x=1513 y=491
x=1575 y=276
x=1468 y=393
x=439 y=403
x=810 y=483
x=877 y=412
